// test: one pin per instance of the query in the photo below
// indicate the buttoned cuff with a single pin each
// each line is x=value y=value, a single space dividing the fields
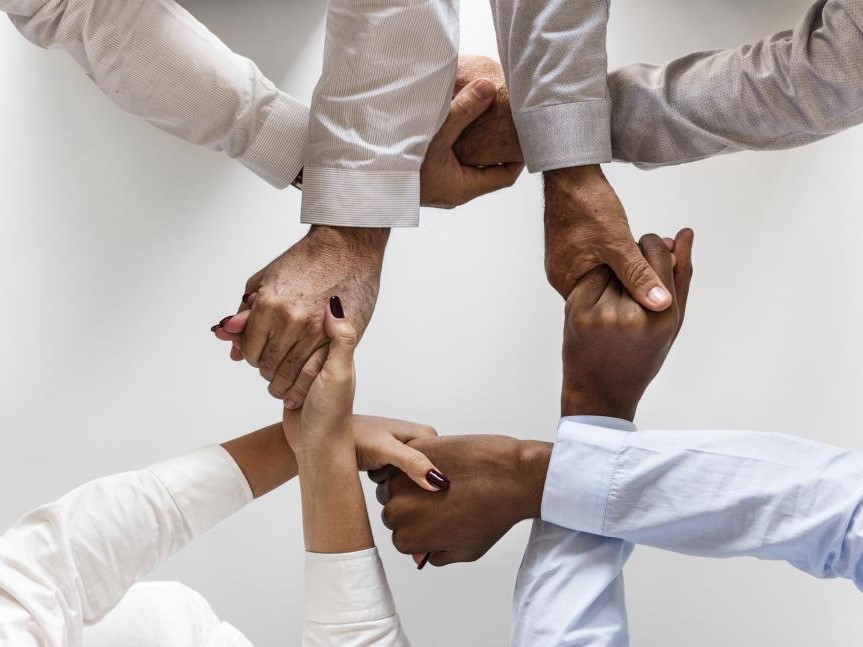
x=207 y=485
x=583 y=460
x=565 y=135
x=359 y=198
x=347 y=588
x=277 y=152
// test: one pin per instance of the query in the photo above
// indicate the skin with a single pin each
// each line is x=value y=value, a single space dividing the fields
x=612 y=350
x=585 y=222
x=281 y=333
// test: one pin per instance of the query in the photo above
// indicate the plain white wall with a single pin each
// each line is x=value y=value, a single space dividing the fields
x=121 y=246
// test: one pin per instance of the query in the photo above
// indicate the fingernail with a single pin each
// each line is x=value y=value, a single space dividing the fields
x=657 y=295
x=423 y=562
x=246 y=297
x=214 y=328
x=484 y=89
x=225 y=320
x=336 y=308
x=438 y=480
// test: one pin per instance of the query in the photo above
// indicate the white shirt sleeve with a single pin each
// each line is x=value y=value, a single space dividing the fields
x=554 y=57
x=386 y=85
x=70 y=562
x=154 y=60
x=348 y=602
x=569 y=591
x=713 y=494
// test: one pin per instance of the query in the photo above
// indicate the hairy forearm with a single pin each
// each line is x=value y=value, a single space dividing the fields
x=334 y=510
x=265 y=458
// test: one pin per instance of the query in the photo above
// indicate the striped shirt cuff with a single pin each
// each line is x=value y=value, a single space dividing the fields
x=360 y=198
x=206 y=484
x=277 y=152
x=577 y=485
x=347 y=588
x=565 y=135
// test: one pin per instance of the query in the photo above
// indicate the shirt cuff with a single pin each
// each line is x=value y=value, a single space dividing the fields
x=579 y=475
x=347 y=588
x=565 y=135
x=277 y=152
x=357 y=198
x=207 y=485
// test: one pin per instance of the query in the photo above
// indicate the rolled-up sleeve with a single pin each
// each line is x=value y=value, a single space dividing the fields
x=386 y=84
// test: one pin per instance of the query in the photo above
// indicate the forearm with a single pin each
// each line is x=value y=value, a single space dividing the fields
x=712 y=493
x=334 y=510
x=789 y=89
x=383 y=93
x=554 y=58
x=264 y=457
x=154 y=60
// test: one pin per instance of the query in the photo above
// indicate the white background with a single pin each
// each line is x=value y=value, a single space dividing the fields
x=121 y=246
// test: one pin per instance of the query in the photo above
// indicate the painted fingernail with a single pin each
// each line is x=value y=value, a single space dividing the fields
x=484 y=89
x=214 y=328
x=336 y=308
x=438 y=480
x=246 y=297
x=657 y=295
x=423 y=562
x=225 y=320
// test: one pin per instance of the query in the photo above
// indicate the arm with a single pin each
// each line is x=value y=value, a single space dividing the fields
x=789 y=89
x=155 y=61
x=348 y=600
x=770 y=496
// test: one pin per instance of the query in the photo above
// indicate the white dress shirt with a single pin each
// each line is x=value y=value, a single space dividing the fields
x=65 y=566
x=386 y=84
x=712 y=494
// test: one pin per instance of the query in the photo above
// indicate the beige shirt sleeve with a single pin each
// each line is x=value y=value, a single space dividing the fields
x=789 y=89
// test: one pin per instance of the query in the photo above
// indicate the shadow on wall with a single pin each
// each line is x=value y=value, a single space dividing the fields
x=273 y=33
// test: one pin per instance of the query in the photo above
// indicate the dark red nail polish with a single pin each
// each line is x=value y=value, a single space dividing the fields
x=225 y=320
x=437 y=479
x=423 y=562
x=246 y=297
x=214 y=328
x=336 y=308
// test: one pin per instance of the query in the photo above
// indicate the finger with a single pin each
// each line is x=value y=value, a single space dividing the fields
x=589 y=288
x=411 y=432
x=343 y=337
x=382 y=492
x=669 y=243
x=255 y=337
x=415 y=464
x=683 y=269
x=447 y=557
x=638 y=277
x=660 y=258
x=382 y=474
x=469 y=104
x=481 y=181
x=290 y=368
x=296 y=394
x=237 y=324
x=236 y=353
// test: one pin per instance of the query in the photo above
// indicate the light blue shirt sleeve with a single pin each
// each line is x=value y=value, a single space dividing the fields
x=569 y=590
x=712 y=494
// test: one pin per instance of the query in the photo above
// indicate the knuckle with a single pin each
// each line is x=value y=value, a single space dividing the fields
x=401 y=542
x=637 y=272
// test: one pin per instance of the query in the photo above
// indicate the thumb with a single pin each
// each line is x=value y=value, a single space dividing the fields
x=469 y=104
x=343 y=337
x=415 y=465
x=639 y=278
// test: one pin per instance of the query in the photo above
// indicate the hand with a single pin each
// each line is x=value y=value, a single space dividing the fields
x=496 y=482
x=586 y=227
x=282 y=334
x=492 y=138
x=613 y=347
x=444 y=181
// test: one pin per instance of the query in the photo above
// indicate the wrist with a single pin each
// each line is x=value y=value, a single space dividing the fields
x=533 y=458
x=332 y=450
x=574 y=402
x=362 y=242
